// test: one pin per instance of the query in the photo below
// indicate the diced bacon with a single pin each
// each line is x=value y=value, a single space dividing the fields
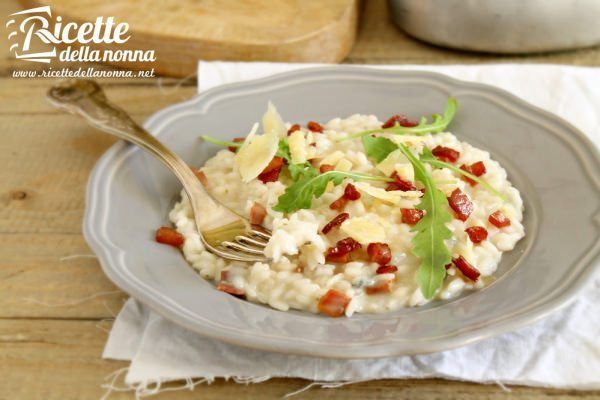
x=399 y=184
x=326 y=168
x=314 y=127
x=351 y=193
x=392 y=121
x=401 y=120
x=257 y=214
x=498 y=219
x=224 y=275
x=348 y=245
x=271 y=176
x=386 y=269
x=234 y=149
x=379 y=287
x=339 y=204
x=477 y=234
x=467 y=269
x=411 y=216
x=466 y=178
x=293 y=128
x=170 y=236
x=334 y=255
x=337 y=221
x=271 y=171
x=445 y=154
x=476 y=169
x=201 y=176
x=341 y=252
x=276 y=163
x=224 y=287
x=460 y=203
x=379 y=253
x=333 y=303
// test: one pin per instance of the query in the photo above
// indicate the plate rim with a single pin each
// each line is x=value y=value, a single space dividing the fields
x=110 y=255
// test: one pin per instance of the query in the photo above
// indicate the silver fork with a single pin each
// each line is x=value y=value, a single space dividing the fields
x=222 y=231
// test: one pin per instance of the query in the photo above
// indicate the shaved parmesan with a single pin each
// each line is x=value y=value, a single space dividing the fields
x=343 y=165
x=414 y=142
x=407 y=139
x=405 y=171
x=272 y=122
x=250 y=136
x=445 y=181
x=297 y=145
x=363 y=230
x=332 y=158
x=388 y=165
x=256 y=153
x=393 y=197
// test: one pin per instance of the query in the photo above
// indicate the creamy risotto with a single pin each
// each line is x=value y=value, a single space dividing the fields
x=352 y=249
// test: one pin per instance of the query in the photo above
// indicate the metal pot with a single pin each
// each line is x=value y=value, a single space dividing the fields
x=501 y=26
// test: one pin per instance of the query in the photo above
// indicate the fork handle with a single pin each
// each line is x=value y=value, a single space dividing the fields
x=86 y=98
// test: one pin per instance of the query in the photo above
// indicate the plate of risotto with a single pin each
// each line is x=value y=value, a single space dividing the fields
x=410 y=213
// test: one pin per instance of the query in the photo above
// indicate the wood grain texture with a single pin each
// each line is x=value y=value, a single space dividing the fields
x=54 y=276
x=182 y=31
x=54 y=314
x=47 y=193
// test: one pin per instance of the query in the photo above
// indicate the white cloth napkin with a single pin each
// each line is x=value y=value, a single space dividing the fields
x=561 y=351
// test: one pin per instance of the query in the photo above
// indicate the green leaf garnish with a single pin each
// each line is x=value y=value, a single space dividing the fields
x=299 y=195
x=299 y=170
x=296 y=170
x=438 y=124
x=431 y=231
x=218 y=142
x=378 y=148
x=428 y=157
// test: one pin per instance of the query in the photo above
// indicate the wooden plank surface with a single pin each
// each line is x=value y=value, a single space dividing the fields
x=181 y=31
x=55 y=309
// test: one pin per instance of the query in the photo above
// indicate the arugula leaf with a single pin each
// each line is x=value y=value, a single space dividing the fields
x=299 y=195
x=428 y=157
x=431 y=231
x=428 y=243
x=219 y=142
x=439 y=123
x=301 y=170
x=296 y=170
x=284 y=150
x=378 y=148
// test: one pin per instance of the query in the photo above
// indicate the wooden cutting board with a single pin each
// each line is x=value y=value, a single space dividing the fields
x=183 y=31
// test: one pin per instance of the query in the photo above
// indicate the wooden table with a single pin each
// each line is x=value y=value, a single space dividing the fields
x=55 y=312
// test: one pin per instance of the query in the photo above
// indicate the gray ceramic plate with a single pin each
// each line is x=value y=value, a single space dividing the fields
x=549 y=161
